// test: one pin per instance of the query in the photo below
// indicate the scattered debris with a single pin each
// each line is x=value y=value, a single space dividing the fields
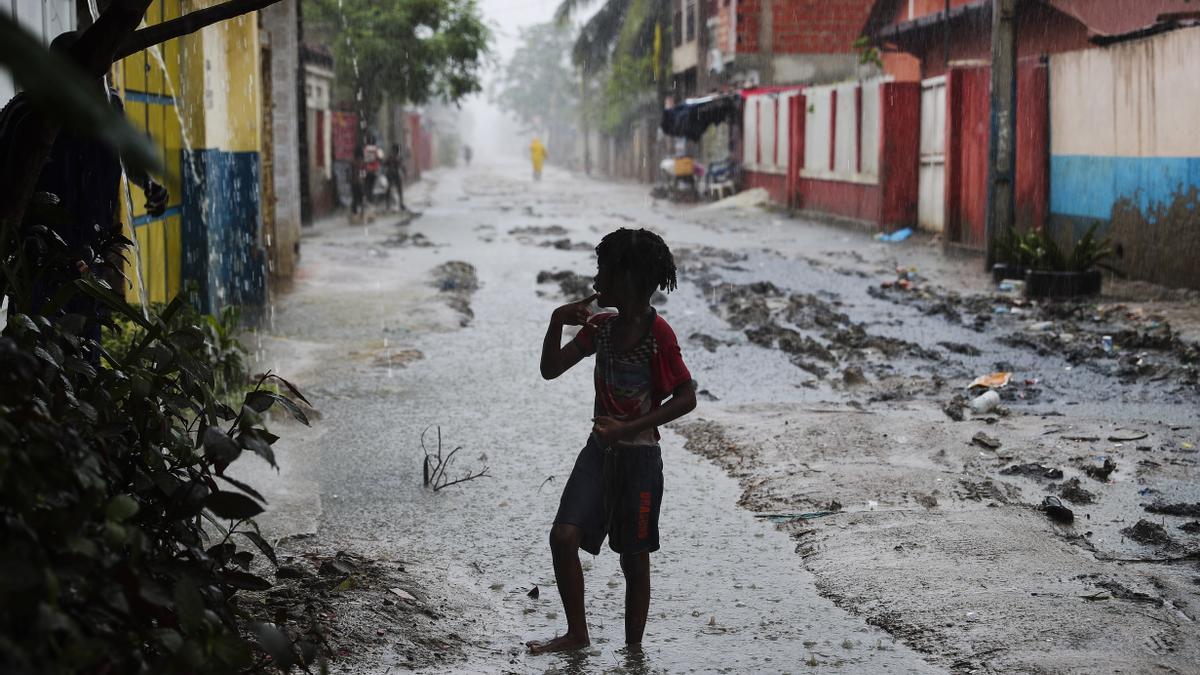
x=1101 y=473
x=1178 y=509
x=1192 y=527
x=991 y=381
x=709 y=342
x=1074 y=492
x=1033 y=470
x=1126 y=436
x=567 y=245
x=985 y=402
x=984 y=441
x=534 y=592
x=573 y=286
x=960 y=348
x=928 y=501
x=954 y=407
x=403 y=594
x=1056 y=511
x=403 y=239
x=1151 y=534
x=853 y=376
x=433 y=470
x=539 y=230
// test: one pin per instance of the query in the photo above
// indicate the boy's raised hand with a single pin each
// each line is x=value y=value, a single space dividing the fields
x=574 y=313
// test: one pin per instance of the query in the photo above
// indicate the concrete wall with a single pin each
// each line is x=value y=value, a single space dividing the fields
x=1125 y=151
x=279 y=22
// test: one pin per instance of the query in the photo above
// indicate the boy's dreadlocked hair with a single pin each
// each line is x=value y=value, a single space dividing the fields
x=642 y=253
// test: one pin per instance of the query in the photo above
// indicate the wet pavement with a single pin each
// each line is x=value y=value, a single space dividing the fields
x=380 y=351
x=821 y=390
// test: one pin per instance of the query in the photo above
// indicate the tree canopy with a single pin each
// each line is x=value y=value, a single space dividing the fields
x=409 y=50
x=538 y=82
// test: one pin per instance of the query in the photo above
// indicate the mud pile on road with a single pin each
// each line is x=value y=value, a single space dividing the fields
x=457 y=282
x=571 y=286
x=1139 y=346
x=356 y=612
x=810 y=328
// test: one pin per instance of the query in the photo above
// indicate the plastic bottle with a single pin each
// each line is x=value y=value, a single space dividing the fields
x=985 y=402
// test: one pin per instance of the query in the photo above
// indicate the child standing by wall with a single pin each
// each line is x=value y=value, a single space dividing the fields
x=616 y=487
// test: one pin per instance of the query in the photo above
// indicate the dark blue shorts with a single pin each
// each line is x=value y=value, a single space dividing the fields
x=615 y=492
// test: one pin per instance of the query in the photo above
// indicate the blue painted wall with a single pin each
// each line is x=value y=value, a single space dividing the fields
x=222 y=259
x=1089 y=187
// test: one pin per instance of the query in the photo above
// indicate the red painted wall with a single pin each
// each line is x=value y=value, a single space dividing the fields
x=1033 y=145
x=850 y=200
x=967 y=132
x=775 y=183
x=891 y=203
x=1041 y=31
x=899 y=164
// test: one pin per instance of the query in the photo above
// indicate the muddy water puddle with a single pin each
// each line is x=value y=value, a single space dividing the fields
x=729 y=593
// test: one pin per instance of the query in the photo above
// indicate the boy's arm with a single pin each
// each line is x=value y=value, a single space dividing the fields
x=557 y=359
x=682 y=402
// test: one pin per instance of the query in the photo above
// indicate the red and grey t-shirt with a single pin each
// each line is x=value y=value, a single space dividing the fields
x=632 y=383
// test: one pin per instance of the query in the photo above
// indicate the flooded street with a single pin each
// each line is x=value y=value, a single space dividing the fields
x=894 y=543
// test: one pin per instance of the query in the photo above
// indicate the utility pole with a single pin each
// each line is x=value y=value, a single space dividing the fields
x=1002 y=142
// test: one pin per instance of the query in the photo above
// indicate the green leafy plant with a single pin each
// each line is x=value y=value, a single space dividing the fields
x=1038 y=250
x=223 y=352
x=125 y=541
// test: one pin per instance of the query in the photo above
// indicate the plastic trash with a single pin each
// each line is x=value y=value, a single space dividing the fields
x=897 y=236
x=992 y=380
x=985 y=402
x=1106 y=342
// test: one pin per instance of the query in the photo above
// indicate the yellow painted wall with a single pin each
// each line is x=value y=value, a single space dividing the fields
x=211 y=88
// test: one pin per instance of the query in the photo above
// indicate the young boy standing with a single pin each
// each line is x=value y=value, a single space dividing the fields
x=616 y=487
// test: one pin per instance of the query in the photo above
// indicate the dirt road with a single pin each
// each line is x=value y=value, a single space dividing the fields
x=876 y=534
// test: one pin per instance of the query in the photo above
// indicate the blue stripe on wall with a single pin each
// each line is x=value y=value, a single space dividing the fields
x=146 y=219
x=1089 y=186
x=143 y=97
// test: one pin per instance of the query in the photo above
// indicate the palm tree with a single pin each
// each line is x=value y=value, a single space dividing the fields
x=621 y=27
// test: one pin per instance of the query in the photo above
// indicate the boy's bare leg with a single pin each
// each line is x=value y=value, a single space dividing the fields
x=568 y=574
x=637 y=595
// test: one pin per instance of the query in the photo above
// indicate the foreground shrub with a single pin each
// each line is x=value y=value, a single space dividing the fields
x=124 y=544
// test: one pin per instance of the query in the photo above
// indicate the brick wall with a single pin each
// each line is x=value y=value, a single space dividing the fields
x=816 y=26
x=747 y=25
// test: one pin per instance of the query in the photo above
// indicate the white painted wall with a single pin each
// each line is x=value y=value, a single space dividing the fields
x=845 y=139
x=1135 y=99
x=766 y=132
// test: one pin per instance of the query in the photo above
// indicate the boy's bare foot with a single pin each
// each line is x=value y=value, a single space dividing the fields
x=562 y=643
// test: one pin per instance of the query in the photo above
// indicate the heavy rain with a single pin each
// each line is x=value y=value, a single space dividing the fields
x=869 y=336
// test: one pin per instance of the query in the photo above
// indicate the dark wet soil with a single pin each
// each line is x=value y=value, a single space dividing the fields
x=345 y=611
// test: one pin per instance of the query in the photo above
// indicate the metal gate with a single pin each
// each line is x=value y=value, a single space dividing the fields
x=931 y=206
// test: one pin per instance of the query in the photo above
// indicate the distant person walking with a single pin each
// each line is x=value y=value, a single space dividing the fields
x=393 y=165
x=537 y=152
x=371 y=166
x=467 y=155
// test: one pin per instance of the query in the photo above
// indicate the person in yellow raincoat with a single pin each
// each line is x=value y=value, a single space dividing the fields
x=537 y=152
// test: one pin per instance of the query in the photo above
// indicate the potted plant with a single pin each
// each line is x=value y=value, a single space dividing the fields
x=1014 y=261
x=1053 y=273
